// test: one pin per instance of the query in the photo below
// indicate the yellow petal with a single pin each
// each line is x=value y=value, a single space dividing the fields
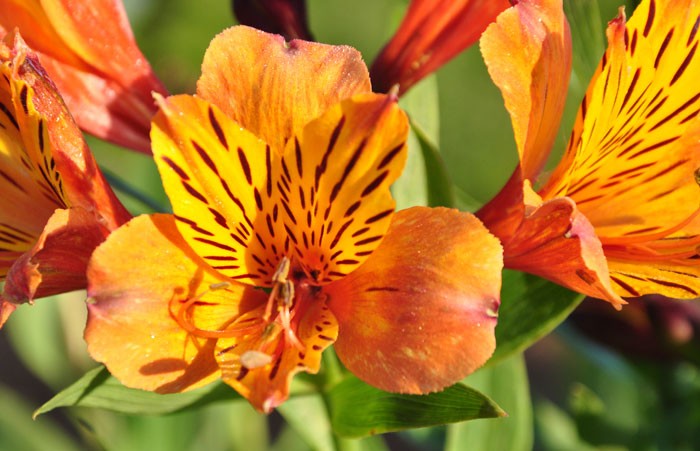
x=528 y=55
x=141 y=280
x=242 y=207
x=636 y=142
x=273 y=88
x=420 y=313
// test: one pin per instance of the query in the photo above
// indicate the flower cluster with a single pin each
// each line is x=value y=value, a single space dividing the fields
x=283 y=237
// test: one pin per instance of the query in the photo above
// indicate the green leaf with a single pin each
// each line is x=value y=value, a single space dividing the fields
x=308 y=416
x=358 y=409
x=441 y=192
x=507 y=383
x=531 y=307
x=425 y=179
x=19 y=432
x=47 y=336
x=98 y=389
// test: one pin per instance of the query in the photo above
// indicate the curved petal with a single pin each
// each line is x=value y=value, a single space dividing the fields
x=528 y=55
x=90 y=52
x=243 y=207
x=631 y=162
x=23 y=161
x=267 y=386
x=31 y=19
x=420 y=313
x=274 y=88
x=58 y=260
x=54 y=143
x=97 y=32
x=432 y=33
x=102 y=107
x=142 y=281
x=6 y=308
x=556 y=241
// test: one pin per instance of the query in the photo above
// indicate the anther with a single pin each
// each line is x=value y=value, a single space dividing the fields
x=255 y=359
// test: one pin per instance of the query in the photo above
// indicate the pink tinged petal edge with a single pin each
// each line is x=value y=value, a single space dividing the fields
x=57 y=262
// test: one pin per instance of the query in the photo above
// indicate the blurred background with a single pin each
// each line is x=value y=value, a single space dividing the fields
x=601 y=381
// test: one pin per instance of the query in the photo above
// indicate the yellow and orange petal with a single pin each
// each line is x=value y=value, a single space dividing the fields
x=432 y=33
x=242 y=206
x=56 y=205
x=266 y=386
x=420 y=313
x=534 y=80
x=88 y=48
x=274 y=101
x=631 y=162
x=144 y=319
x=53 y=144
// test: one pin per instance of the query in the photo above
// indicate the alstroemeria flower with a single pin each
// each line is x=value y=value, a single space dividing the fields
x=55 y=206
x=432 y=33
x=89 y=51
x=284 y=239
x=617 y=218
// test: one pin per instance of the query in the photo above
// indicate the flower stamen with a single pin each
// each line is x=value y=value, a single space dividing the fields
x=185 y=320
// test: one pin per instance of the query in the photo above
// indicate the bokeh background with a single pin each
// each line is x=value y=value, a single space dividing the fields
x=582 y=395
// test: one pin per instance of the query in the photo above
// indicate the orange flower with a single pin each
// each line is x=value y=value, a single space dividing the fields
x=56 y=206
x=284 y=240
x=617 y=218
x=432 y=33
x=89 y=51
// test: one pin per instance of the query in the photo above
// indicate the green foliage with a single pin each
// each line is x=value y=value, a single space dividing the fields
x=530 y=309
x=507 y=383
x=98 y=389
x=358 y=409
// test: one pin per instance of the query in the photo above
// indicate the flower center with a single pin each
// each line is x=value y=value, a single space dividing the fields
x=278 y=317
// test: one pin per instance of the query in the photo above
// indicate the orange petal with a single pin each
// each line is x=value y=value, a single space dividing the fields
x=528 y=55
x=6 y=308
x=96 y=34
x=54 y=145
x=103 y=107
x=273 y=88
x=635 y=147
x=420 y=313
x=32 y=21
x=139 y=280
x=431 y=34
x=90 y=46
x=58 y=260
x=556 y=241
x=267 y=386
x=240 y=205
